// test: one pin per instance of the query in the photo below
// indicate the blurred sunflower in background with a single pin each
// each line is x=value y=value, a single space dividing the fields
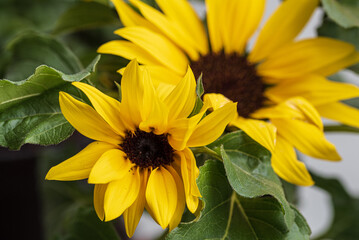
x=140 y=157
x=280 y=84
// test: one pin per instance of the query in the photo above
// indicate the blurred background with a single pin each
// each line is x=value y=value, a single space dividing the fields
x=34 y=32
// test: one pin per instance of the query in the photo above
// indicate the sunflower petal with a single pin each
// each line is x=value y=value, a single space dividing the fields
x=285 y=24
x=307 y=138
x=214 y=22
x=98 y=200
x=128 y=50
x=215 y=100
x=330 y=69
x=212 y=126
x=189 y=179
x=340 y=112
x=121 y=194
x=79 y=166
x=316 y=89
x=181 y=201
x=168 y=28
x=181 y=13
x=86 y=120
x=130 y=17
x=154 y=113
x=161 y=196
x=132 y=215
x=262 y=132
x=243 y=18
x=304 y=57
x=132 y=88
x=182 y=99
x=158 y=46
x=287 y=166
x=106 y=106
x=111 y=166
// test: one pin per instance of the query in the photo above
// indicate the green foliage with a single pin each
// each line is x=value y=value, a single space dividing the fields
x=31 y=49
x=345 y=224
x=199 y=91
x=343 y=12
x=229 y=216
x=249 y=170
x=85 y=15
x=82 y=223
x=29 y=109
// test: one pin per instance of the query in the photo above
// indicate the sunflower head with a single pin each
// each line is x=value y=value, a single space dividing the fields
x=141 y=157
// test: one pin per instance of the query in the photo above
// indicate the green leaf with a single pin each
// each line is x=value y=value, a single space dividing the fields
x=199 y=91
x=343 y=12
x=82 y=223
x=345 y=224
x=249 y=170
x=229 y=216
x=30 y=111
x=31 y=49
x=85 y=15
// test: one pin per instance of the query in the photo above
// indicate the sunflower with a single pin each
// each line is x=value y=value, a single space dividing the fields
x=140 y=157
x=280 y=84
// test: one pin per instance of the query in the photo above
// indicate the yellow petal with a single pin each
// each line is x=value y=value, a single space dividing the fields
x=262 y=132
x=158 y=46
x=188 y=172
x=86 y=120
x=215 y=100
x=181 y=130
x=121 y=194
x=283 y=26
x=307 y=138
x=79 y=166
x=214 y=21
x=111 y=166
x=161 y=196
x=154 y=113
x=181 y=201
x=304 y=57
x=132 y=215
x=340 y=112
x=98 y=200
x=132 y=88
x=129 y=17
x=243 y=18
x=161 y=74
x=106 y=106
x=287 y=166
x=212 y=126
x=128 y=50
x=316 y=89
x=181 y=38
x=330 y=69
x=185 y=18
x=181 y=100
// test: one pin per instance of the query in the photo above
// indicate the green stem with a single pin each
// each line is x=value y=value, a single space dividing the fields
x=340 y=128
x=207 y=151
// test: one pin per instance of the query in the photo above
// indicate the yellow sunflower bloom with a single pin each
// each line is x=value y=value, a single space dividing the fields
x=140 y=157
x=280 y=84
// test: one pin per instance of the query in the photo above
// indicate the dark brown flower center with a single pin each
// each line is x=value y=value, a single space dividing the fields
x=234 y=77
x=147 y=149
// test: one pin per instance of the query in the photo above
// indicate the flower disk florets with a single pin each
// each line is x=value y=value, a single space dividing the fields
x=234 y=77
x=147 y=149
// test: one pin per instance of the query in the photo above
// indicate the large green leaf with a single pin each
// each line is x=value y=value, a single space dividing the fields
x=345 y=224
x=29 y=109
x=249 y=170
x=227 y=215
x=343 y=12
x=85 y=15
x=31 y=49
x=82 y=223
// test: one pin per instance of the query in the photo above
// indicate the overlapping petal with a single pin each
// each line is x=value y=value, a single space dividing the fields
x=341 y=113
